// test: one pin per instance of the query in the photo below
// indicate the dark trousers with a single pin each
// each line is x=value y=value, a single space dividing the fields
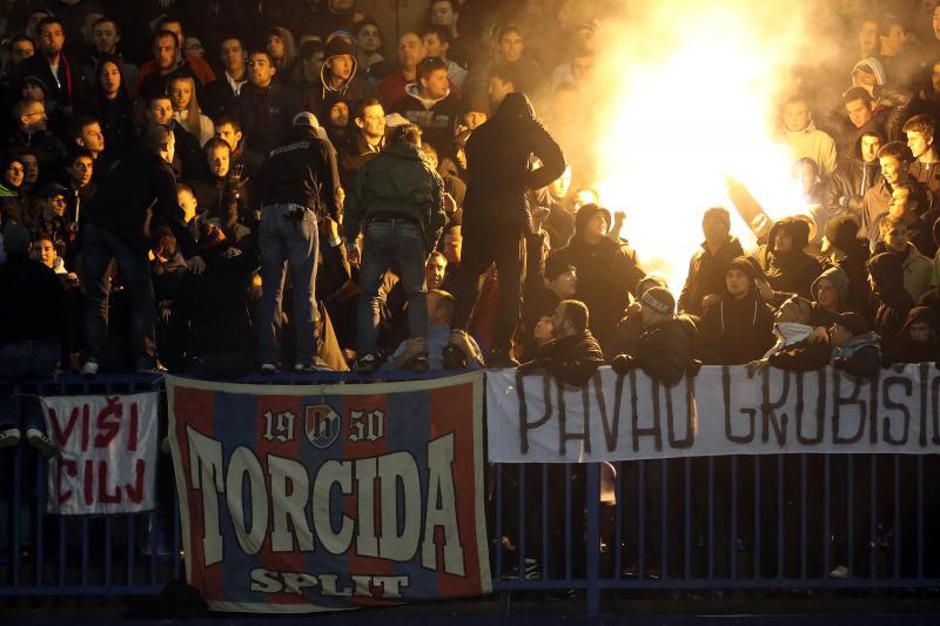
x=479 y=252
x=100 y=248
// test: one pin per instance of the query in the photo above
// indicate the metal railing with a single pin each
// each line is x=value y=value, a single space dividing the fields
x=706 y=523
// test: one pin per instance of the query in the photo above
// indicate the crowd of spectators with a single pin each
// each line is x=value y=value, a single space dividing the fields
x=173 y=166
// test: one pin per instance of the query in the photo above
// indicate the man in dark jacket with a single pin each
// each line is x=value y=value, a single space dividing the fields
x=365 y=143
x=139 y=188
x=573 y=355
x=265 y=108
x=855 y=175
x=495 y=211
x=855 y=348
x=400 y=200
x=68 y=88
x=706 y=279
x=796 y=348
x=607 y=270
x=298 y=181
x=432 y=105
x=739 y=328
x=789 y=269
x=339 y=80
x=664 y=351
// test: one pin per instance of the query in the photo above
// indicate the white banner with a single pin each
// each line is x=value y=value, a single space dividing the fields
x=723 y=410
x=108 y=453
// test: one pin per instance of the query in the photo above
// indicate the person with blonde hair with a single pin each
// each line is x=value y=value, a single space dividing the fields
x=186 y=109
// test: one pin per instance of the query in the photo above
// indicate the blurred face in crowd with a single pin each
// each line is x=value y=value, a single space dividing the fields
x=228 y=134
x=561 y=185
x=370 y=39
x=868 y=38
x=30 y=169
x=596 y=227
x=839 y=335
x=88 y=26
x=891 y=169
x=32 y=91
x=737 y=283
x=339 y=114
x=340 y=6
x=160 y=111
x=936 y=22
x=220 y=159
x=177 y=29
x=650 y=316
x=187 y=202
x=918 y=143
x=511 y=46
x=587 y=39
x=372 y=121
x=194 y=48
x=181 y=93
x=715 y=230
x=260 y=70
x=105 y=36
x=435 y=271
x=544 y=330
x=233 y=56
x=435 y=84
x=935 y=78
x=275 y=47
x=783 y=242
x=869 y=145
x=474 y=119
x=47 y=253
x=164 y=51
x=341 y=66
x=898 y=204
x=565 y=284
x=796 y=116
x=443 y=14
x=894 y=41
x=895 y=236
x=859 y=112
x=826 y=294
x=51 y=39
x=920 y=332
x=410 y=50
x=57 y=204
x=561 y=325
x=109 y=76
x=169 y=151
x=34 y=117
x=92 y=138
x=434 y=45
x=806 y=176
x=581 y=66
x=453 y=245
x=791 y=311
x=498 y=90
x=81 y=170
x=21 y=51
x=13 y=175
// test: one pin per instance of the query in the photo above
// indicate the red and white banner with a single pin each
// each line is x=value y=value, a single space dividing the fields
x=108 y=453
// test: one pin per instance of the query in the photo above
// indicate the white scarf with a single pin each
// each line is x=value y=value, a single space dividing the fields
x=788 y=334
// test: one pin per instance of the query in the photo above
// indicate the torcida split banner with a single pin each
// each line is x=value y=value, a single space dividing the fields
x=722 y=410
x=108 y=453
x=311 y=498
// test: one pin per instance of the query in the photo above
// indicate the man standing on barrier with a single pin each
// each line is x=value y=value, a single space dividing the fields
x=299 y=181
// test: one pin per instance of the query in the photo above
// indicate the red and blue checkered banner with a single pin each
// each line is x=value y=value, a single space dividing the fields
x=314 y=498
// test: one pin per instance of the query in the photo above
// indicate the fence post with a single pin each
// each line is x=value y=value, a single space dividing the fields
x=592 y=545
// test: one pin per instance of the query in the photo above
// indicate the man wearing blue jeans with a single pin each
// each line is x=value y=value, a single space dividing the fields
x=400 y=200
x=300 y=180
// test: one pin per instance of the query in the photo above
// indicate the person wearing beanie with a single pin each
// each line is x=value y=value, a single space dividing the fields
x=573 y=354
x=892 y=299
x=705 y=281
x=739 y=328
x=664 y=351
x=607 y=270
x=919 y=339
x=788 y=268
x=849 y=252
x=339 y=80
x=855 y=347
x=629 y=329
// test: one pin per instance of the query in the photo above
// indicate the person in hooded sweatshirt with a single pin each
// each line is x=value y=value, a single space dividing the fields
x=339 y=80
x=829 y=294
x=607 y=270
x=739 y=328
x=919 y=339
x=573 y=355
x=855 y=347
x=795 y=348
x=431 y=104
x=893 y=302
x=850 y=253
x=706 y=278
x=496 y=217
x=788 y=268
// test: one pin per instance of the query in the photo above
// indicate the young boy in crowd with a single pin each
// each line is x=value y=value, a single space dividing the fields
x=855 y=348
x=919 y=339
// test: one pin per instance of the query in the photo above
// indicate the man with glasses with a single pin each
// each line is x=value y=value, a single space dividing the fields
x=29 y=131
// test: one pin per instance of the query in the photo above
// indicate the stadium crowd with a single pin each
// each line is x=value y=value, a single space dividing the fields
x=167 y=165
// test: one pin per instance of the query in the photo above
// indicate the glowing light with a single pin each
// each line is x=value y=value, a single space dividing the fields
x=691 y=91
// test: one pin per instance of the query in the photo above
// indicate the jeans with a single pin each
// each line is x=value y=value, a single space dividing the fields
x=23 y=361
x=100 y=248
x=283 y=239
x=396 y=243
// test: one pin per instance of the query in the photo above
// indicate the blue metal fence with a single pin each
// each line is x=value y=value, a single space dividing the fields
x=705 y=523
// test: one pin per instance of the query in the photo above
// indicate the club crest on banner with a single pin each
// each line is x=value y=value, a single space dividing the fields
x=322 y=425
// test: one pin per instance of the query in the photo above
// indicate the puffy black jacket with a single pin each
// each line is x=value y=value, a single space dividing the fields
x=572 y=359
x=707 y=275
x=303 y=171
x=266 y=114
x=665 y=351
x=735 y=332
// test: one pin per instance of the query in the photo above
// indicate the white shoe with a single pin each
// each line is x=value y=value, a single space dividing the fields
x=9 y=437
x=268 y=368
x=840 y=572
x=39 y=440
x=90 y=368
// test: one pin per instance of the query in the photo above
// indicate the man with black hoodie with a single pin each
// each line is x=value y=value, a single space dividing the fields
x=706 y=279
x=137 y=190
x=338 y=80
x=573 y=355
x=496 y=212
x=788 y=268
x=264 y=107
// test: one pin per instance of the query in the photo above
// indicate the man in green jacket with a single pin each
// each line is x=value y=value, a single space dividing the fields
x=397 y=200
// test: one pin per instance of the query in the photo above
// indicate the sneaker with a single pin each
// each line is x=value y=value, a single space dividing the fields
x=840 y=572
x=268 y=368
x=318 y=365
x=9 y=437
x=90 y=368
x=42 y=442
x=367 y=363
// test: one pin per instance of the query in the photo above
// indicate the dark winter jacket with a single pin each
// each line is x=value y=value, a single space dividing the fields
x=266 y=115
x=903 y=350
x=400 y=181
x=303 y=171
x=435 y=117
x=792 y=272
x=892 y=299
x=573 y=359
x=665 y=351
x=851 y=180
x=735 y=332
x=707 y=275
x=804 y=356
x=859 y=357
